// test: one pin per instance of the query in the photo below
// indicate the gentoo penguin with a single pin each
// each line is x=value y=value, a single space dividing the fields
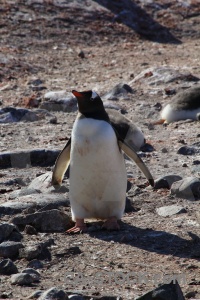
x=98 y=177
x=185 y=105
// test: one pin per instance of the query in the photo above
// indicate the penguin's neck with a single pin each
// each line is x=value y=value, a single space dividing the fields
x=100 y=115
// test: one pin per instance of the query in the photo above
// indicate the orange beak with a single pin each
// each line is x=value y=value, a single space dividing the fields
x=77 y=94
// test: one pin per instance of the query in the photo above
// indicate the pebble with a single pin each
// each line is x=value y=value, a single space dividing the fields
x=166 y=181
x=187 y=188
x=30 y=230
x=119 y=91
x=7 y=267
x=167 y=211
x=53 y=293
x=10 y=249
x=22 y=279
x=47 y=221
x=36 y=264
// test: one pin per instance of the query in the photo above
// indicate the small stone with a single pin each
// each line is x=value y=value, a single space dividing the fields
x=22 y=279
x=120 y=91
x=53 y=293
x=7 y=267
x=184 y=165
x=164 y=150
x=167 y=211
x=10 y=249
x=30 y=230
x=81 y=54
x=188 y=188
x=189 y=150
x=36 y=264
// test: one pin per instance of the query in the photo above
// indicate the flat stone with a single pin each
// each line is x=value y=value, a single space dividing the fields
x=156 y=76
x=53 y=293
x=59 y=101
x=23 y=192
x=120 y=91
x=166 y=181
x=10 y=249
x=7 y=267
x=167 y=211
x=188 y=188
x=22 y=279
x=28 y=158
x=35 y=294
x=47 y=221
x=37 y=201
x=13 y=115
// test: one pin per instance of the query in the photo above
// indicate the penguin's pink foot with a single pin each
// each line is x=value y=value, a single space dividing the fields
x=159 y=122
x=79 y=227
x=111 y=224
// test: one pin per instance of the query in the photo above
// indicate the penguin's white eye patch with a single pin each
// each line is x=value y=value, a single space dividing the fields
x=94 y=95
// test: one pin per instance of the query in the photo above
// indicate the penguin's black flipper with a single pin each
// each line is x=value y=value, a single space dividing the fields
x=61 y=165
x=130 y=152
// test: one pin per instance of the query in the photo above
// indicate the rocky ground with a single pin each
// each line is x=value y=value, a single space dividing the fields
x=151 y=46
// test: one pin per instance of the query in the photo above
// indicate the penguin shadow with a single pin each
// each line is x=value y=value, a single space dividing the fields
x=150 y=240
x=136 y=18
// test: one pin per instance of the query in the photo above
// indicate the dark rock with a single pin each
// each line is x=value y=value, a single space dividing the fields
x=22 y=279
x=166 y=181
x=120 y=91
x=35 y=274
x=27 y=158
x=7 y=267
x=30 y=252
x=10 y=249
x=35 y=82
x=170 y=291
x=30 y=230
x=47 y=221
x=190 y=150
x=53 y=293
x=36 y=201
x=36 y=264
x=6 y=230
x=188 y=188
x=35 y=295
x=167 y=211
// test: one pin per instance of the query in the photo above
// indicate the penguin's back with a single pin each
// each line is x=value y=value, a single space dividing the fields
x=97 y=171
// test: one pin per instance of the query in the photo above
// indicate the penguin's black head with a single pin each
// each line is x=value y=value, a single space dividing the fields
x=89 y=102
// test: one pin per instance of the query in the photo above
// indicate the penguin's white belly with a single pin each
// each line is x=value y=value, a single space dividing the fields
x=171 y=115
x=97 y=171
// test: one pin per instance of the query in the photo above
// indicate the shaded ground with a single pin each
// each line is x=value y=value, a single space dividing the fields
x=43 y=39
